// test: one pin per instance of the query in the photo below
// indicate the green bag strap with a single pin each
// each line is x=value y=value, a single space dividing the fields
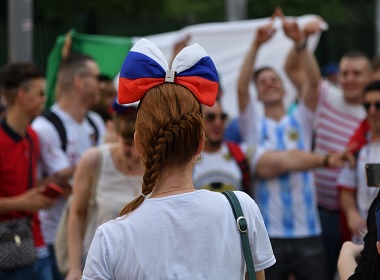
x=241 y=223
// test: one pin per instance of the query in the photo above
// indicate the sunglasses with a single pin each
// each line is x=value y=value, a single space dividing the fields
x=96 y=77
x=210 y=117
x=367 y=105
x=40 y=92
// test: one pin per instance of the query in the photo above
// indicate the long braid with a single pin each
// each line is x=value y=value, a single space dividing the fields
x=168 y=133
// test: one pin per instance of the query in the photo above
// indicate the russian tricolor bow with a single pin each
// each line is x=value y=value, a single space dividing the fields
x=145 y=67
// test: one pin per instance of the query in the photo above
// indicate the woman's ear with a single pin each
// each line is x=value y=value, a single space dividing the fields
x=201 y=144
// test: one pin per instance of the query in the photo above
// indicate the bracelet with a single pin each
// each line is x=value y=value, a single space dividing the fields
x=326 y=160
x=301 y=46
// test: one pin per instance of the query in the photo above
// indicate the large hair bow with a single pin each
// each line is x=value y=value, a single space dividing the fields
x=145 y=67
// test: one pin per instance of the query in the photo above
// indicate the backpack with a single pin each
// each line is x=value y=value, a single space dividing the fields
x=57 y=122
x=242 y=162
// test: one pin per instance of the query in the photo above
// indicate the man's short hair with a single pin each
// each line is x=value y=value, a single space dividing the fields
x=373 y=86
x=73 y=64
x=376 y=63
x=104 y=78
x=257 y=72
x=74 y=60
x=13 y=75
x=354 y=54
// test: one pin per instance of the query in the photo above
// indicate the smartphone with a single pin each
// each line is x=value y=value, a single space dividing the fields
x=52 y=190
x=373 y=174
x=377 y=213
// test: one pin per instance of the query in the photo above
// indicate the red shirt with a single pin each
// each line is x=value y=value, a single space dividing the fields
x=18 y=161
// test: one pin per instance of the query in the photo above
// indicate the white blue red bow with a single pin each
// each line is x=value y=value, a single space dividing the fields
x=145 y=67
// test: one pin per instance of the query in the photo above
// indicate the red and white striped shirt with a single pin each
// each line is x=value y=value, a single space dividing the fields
x=335 y=123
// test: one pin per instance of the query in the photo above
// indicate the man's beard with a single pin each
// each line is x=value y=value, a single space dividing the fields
x=214 y=144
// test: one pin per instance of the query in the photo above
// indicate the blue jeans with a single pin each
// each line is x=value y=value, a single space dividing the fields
x=53 y=263
x=40 y=270
x=332 y=241
x=302 y=257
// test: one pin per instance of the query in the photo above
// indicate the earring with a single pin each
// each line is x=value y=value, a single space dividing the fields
x=140 y=159
x=198 y=159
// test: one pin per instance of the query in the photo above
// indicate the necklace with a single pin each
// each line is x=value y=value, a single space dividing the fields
x=187 y=188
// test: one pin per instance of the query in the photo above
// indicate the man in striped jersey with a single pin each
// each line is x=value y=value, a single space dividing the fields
x=288 y=202
x=339 y=113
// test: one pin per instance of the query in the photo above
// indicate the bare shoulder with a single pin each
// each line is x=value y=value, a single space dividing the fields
x=90 y=158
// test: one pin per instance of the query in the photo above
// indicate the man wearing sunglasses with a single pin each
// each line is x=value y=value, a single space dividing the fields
x=355 y=196
x=62 y=145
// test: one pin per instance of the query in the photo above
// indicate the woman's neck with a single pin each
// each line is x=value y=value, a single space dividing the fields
x=174 y=180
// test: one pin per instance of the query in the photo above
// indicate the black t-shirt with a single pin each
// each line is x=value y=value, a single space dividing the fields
x=369 y=262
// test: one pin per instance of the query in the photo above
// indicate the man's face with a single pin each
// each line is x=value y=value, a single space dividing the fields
x=214 y=120
x=91 y=85
x=129 y=150
x=33 y=96
x=371 y=102
x=354 y=75
x=269 y=87
x=107 y=93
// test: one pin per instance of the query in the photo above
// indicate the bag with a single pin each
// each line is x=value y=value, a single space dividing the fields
x=242 y=162
x=17 y=247
x=241 y=223
x=58 y=124
x=60 y=244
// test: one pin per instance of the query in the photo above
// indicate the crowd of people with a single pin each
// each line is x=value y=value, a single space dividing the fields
x=140 y=170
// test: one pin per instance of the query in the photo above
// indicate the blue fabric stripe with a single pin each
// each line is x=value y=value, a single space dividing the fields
x=264 y=131
x=308 y=197
x=286 y=190
x=306 y=181
x=263 y=201
x=262 y=190
x=138 y=65
x=204 y=68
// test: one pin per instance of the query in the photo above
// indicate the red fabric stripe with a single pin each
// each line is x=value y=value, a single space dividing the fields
x=133 y=90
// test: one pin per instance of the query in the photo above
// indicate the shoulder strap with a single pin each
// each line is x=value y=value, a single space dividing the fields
x=96 y=131
x=241 y=223
x=240 y=159
x=56 y=121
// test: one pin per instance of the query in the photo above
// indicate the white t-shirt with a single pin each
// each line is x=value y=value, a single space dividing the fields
x=355 y=179
x=219 y=171
x=80 y=137
x=186 y=236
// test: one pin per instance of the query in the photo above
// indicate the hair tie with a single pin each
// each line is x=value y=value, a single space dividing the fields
x=145 y=67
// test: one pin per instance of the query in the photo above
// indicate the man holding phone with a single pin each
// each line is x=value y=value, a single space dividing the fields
x=355 y=196
x=22 y=86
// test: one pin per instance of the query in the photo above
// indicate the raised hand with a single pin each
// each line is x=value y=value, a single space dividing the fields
x=313 y=27
x=264 y=33
x=292 y=30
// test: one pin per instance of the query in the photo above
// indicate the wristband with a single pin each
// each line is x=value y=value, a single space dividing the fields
x=301 y=46
x=326 y=160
